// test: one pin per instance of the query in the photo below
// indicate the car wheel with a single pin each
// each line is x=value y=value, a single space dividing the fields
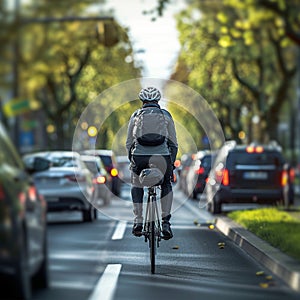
x=22 y=278
x=288 y=196
x=87 y=215
x=95 y=213
x=214 y=206
x=41 y=278
x=195 y=195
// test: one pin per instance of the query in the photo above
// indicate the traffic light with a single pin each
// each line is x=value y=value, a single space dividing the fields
x=107 y=33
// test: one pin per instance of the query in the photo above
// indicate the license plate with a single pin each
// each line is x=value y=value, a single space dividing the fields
x=256 y=175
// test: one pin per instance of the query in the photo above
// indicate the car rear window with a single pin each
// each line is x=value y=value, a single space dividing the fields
x=106 y=160
x=206 y=162
x=243 y=158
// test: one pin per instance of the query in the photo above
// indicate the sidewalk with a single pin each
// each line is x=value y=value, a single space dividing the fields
x=285 y=267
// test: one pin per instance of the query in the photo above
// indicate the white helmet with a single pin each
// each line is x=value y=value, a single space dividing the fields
x=149 y=94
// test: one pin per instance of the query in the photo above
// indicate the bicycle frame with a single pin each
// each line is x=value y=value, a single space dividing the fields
x=152 y=226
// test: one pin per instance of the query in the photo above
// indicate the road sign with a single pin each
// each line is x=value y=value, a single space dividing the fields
x=16 y=107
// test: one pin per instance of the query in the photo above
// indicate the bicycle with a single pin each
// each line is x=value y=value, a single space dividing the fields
x=152 y=226
x=152 y=178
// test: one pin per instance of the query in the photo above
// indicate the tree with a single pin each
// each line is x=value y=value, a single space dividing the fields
x=65 y=64
x=241 y=61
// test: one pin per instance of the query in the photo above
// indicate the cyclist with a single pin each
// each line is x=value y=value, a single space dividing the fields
x=161 y=155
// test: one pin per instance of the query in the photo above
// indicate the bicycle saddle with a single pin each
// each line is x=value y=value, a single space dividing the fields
x=151 y=177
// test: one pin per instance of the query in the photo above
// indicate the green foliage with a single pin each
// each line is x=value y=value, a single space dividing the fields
x=276 y=227
x=64 y=66
x=241 y=60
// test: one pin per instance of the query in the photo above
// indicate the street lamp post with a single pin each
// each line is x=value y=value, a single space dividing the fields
x=16 y=53
x=297 y=143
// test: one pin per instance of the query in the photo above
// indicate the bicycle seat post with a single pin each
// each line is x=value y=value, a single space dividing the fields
x=152 y=191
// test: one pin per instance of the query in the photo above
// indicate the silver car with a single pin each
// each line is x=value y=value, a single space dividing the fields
x=67 y=185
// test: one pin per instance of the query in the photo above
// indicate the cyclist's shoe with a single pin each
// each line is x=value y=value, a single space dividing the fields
x=166 y=230
x=137 y=229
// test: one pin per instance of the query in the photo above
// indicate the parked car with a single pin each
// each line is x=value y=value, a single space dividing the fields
x=197 y=173
x=249 y=174
x=110 y=163
x=67 y=185
x=124 y=171
x=23 y=248
x=101 y=182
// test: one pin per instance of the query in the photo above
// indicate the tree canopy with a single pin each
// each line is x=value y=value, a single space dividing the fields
x=66 y=58
x=240 y=55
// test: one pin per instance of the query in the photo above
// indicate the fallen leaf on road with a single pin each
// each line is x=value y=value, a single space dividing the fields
x=260 y=273
x=221 y=245
x=264 y=285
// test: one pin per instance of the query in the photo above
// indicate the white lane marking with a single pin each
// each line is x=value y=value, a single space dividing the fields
x=106 y=286
x=119 y=231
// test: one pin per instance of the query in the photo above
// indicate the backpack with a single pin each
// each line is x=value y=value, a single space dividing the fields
x=150 y=127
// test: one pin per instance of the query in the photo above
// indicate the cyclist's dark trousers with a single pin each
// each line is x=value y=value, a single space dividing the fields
x=164 y=163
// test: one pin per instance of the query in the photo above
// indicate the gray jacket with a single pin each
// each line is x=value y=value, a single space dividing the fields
x=169 y=147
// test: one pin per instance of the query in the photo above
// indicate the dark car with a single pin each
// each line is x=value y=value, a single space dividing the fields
x=101 y=182
x=110 y=163
x=23 y=239
x=249 y=174
x=197 y=173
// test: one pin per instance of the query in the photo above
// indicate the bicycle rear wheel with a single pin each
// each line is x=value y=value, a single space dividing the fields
x=152 y=237
x=152 y=246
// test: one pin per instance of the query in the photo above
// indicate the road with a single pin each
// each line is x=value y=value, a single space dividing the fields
x=103 y=260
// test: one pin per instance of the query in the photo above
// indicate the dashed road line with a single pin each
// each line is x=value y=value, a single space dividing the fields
x=119 y=231
x=106 y=286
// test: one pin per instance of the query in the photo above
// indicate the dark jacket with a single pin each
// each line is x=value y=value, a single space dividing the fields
x=169 y=147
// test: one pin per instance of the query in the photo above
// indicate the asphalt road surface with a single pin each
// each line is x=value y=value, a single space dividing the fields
x=104 y=261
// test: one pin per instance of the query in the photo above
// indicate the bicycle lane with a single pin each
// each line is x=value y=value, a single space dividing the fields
x=193 y=264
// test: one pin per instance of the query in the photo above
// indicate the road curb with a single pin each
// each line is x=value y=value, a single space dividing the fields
x=285 y=267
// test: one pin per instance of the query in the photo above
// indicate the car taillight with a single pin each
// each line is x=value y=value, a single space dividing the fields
x=284 y=178
x=114 y=172
x=74 y=178
x=2 y=193
x=22 y=197
x=257 y=149
x=292 y=175
x=225 y=180
x=99 y=180
x=32 y=193
x=200 y=171
x=174 y=178
x=222 y=176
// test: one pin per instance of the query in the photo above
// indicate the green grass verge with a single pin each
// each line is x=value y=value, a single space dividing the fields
x=279 y=228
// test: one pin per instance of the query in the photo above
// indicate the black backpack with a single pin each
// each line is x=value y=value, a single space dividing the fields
x=150 y=127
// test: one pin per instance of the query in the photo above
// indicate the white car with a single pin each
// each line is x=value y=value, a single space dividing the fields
x=67 y=185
